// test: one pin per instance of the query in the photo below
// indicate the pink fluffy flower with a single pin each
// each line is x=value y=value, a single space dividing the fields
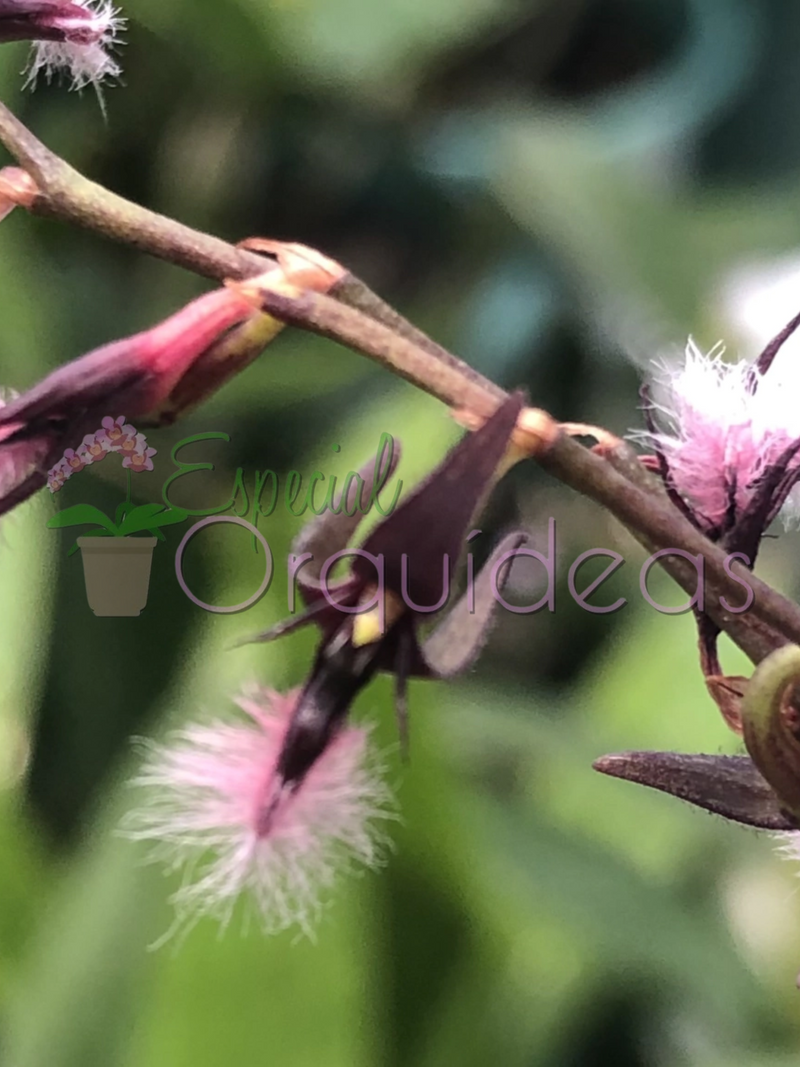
x=727 y=442
x=218 y=809
x=723 y=428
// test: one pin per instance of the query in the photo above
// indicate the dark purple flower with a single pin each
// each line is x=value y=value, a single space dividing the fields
x=400 y=577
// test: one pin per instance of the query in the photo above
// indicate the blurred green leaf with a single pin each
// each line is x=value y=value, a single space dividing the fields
x=357 y=46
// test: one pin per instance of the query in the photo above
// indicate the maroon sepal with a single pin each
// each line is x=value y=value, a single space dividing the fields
x=730 y=786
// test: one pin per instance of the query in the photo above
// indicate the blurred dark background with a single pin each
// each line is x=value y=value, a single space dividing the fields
x=560 y=191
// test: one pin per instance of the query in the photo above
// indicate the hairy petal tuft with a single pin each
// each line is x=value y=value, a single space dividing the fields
x=718 y=436
x=84 y=55
x=216 y=808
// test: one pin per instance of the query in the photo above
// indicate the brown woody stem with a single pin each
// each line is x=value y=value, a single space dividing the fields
x=443 y=376
x=65 y=194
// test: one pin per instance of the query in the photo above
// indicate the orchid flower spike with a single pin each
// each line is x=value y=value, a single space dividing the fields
x=399 y=578
x=72 y=37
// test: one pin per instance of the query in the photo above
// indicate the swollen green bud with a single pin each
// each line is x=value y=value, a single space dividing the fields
x=771 y=724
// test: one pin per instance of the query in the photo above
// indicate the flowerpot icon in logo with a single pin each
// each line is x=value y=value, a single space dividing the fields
x=117 y=573
x=116 y=562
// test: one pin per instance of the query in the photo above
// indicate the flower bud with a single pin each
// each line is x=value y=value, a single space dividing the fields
x=771 y=724
x=134 y=377
x=17 y=189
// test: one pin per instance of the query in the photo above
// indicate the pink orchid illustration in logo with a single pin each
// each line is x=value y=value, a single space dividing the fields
x=72 y=462
x=115 y=435
x=130 y=445
x=93 y=449
x=57 y=476
x=116 y=432
x=117 y=571
x=140 y=459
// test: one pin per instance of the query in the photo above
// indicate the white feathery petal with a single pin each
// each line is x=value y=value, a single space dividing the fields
x=85 y=64
x=715 y=427
x=205 y=788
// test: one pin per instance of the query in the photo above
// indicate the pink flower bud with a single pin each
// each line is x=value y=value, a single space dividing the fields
x=17 y=189
x=134 y=376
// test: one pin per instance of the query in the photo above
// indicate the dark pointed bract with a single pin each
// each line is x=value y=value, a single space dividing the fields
x=730 y=786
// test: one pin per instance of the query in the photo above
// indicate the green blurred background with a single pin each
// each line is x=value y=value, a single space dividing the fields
x=559 y=191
